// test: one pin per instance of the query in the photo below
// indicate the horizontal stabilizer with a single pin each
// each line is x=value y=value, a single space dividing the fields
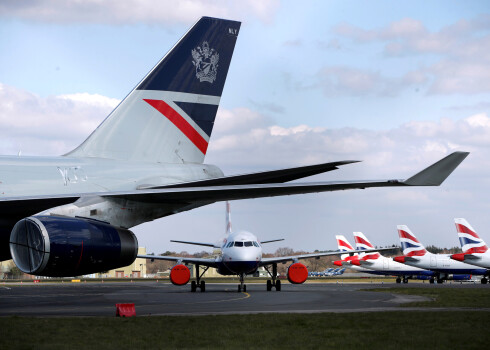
x=435 y=174
x=272 y=240
x=197 y=243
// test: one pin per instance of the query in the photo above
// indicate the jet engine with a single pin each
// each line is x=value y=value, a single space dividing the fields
x=180 y=275
x=297 y=273
x=459 y=277
x=58 y=246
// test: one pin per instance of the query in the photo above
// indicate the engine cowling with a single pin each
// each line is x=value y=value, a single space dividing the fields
x=297 y=273
x=180 y=275
x=459 y=277
x=57 y=246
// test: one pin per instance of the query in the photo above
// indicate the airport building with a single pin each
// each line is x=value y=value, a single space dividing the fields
x=136 y=270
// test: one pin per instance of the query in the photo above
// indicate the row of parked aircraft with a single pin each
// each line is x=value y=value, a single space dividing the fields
x=416 y=262
x=327 y=272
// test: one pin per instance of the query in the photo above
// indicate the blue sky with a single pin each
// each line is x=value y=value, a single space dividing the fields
x=397 y=85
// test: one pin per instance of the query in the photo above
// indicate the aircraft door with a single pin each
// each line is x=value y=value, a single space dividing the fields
x=386 y=264
x=433 y=261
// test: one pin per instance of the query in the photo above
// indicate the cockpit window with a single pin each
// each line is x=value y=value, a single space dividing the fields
x=256 y=244
x=248 y=244
x=229 y=244
x=238 y=244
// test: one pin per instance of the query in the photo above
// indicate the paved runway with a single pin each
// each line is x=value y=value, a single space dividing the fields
x=152 y=298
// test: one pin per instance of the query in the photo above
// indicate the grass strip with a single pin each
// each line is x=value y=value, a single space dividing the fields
x=376 y=330
x=443 y=297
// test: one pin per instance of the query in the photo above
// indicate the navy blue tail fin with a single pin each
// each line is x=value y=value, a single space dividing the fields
x=198 y=64
x=170 y=115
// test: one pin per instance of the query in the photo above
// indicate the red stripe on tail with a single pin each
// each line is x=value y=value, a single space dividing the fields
x=179 y=121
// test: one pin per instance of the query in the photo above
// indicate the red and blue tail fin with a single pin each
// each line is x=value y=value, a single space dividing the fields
x=362 y=243
x=468 y=238
x=169 y=116
x=344 y=245
x=410 y=244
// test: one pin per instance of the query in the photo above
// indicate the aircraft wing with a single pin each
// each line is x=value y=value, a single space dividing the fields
x=210 y=262
x=265 y=177
x=434 y=175
x=284 y=259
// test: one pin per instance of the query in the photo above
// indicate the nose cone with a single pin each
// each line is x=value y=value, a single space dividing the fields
x=338 y=263
x=400 y=259
x=458 y=257
x=242 y=259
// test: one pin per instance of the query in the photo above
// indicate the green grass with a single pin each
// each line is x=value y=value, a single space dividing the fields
x=444 y=297
x=377 y=330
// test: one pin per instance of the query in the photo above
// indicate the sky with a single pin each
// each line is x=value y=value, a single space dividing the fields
x=398 y=85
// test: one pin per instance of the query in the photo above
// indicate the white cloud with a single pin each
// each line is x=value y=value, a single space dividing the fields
x=162 y=12
x=51 y=125
x=462 y=48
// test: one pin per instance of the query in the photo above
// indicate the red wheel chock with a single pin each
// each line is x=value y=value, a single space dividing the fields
x=125 y=310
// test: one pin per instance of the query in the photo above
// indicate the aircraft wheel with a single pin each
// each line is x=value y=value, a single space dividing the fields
x=269 y=285
x=398 y=280
x=239 y=289
x=193 y=286
x=440 y=281
x=278 y=286
x=405 y=280
x=203 y=286
x=244 y=288
x=431 y=281
x=484 y=280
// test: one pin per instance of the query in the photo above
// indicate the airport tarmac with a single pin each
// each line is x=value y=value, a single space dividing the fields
x=152 y=298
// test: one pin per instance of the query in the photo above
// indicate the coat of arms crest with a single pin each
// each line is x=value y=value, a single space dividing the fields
x=205 y=59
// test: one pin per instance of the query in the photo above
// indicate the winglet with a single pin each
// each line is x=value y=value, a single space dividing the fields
x=435 y=174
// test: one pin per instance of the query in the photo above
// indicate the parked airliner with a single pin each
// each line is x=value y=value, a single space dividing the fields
x=376 y=264
x=384 y=265
x=415 y=254
x=475 y=250
x=70 y=215
x=240 y=254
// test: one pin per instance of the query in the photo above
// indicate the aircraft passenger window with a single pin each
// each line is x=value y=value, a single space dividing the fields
x=248 y=244
x=238 y=244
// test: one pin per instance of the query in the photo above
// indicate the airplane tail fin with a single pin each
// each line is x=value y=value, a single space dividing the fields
x=362 y=243
x=169 y=116
x=344 y=245
x=468 y=238
x=410 y=244
x=228 y=218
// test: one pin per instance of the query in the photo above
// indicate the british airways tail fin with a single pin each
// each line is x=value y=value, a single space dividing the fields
x=410 y=244
x=362 y=243
x=169 y=116
x=344 y=245
x=468 y=238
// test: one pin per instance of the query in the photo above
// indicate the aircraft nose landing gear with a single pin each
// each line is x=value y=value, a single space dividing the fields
x=242 y=287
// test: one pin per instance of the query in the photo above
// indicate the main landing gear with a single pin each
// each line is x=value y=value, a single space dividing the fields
x=484 y=280
x=198 y=283
x=399 y=279
x=275 y=282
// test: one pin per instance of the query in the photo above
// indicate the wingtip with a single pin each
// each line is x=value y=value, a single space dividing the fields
x=435 y=174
